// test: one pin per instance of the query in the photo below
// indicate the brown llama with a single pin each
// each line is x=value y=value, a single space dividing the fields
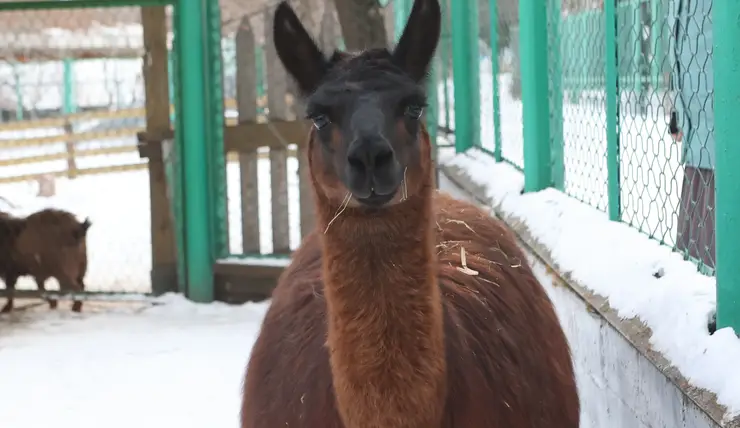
x=47 y=244
x=406 y=308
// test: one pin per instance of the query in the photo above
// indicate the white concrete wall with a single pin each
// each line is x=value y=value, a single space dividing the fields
x=619 y=388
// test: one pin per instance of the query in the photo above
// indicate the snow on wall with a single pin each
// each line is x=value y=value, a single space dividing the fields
x=619 y=263
x=617 y=385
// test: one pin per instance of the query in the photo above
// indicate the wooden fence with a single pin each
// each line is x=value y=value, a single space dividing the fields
x=70 y=139
x=283 y=128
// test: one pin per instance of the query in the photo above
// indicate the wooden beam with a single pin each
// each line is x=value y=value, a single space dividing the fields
x=243 y=137
x=238 y=282
x=156 y=89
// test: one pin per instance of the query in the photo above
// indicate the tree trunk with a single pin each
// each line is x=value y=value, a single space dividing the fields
x=362 y=24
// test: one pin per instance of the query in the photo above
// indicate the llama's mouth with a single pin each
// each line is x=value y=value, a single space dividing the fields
x=375 y=200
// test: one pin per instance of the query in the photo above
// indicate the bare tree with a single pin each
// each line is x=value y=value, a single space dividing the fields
x=362 y=24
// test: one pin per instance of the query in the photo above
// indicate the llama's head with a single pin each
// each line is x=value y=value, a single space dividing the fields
x=368 y=140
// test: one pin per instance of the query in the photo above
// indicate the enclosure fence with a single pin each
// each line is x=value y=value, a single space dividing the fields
x=624 y=105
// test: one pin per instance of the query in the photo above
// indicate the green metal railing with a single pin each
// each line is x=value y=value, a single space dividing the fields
x=593 y=117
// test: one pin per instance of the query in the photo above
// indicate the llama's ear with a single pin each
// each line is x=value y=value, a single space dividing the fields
x=415 y=49
x=297 y=50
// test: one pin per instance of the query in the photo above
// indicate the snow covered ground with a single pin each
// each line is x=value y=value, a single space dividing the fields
x=178 y=364
x=174 y=364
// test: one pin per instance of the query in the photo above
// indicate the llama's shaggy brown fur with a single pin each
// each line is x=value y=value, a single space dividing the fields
x=47 y=244
x=376 y=316
x=378 y=322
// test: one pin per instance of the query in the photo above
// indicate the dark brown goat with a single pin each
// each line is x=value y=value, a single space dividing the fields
x=380 y=321
x=47 y=244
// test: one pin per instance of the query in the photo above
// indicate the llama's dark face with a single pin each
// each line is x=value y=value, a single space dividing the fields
x=366 y=108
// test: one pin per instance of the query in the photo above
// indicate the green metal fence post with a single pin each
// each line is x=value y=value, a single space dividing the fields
x=432 y=110
x=259 y=59
x=443 y=53
x=726 y=63
x=466 y=73
x=493 y=23
x=536 y=115
x=401 y=11
x=612 y=112
x=656 y=42
x=557 y=150
x=215 y=129
x=178 y=178
x=171 y=77
x=192 y=57
x=69 y=101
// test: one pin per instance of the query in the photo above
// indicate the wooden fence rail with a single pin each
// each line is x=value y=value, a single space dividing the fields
x=71 y=152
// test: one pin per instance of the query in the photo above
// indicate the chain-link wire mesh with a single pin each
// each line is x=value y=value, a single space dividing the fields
x=665 y=117
x=508 y=81
x=578 y=30
x=667 y=123
x=71 y=105
x=445 y=73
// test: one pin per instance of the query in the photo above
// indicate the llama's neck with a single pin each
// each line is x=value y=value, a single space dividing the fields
x=385 y=315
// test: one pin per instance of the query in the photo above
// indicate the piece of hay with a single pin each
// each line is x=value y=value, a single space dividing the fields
x=465 y=269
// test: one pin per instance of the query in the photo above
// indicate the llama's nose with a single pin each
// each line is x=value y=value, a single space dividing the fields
x=372 y=167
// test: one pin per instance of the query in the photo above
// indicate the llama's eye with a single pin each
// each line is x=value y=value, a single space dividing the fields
x=320 y=121
x=414 y=111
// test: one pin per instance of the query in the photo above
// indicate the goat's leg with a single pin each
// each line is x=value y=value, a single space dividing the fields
x=73 y=286
x=10 y=281
x=41 y=285
x=77 y=304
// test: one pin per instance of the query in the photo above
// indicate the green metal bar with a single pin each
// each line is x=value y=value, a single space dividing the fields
x=401 y=11
x=557 y=148
x=78 y=4
x=493 y=23
x=217 y=158
x=445 y=72
x=69 y=105
x=259 y=59
x=726 y=64
x=536 y=114
x=432 y=115
x=636 y=39
x=170 y=75
x=466 y=75
x=176 y=183
x=432 y=110
x=656 y=42
x=612 y=112
x=199 y=270
x=577 y=52
x=18 y=93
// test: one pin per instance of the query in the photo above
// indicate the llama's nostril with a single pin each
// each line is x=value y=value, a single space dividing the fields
x=370 y=155
x=356 y=163
x=383 y=158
